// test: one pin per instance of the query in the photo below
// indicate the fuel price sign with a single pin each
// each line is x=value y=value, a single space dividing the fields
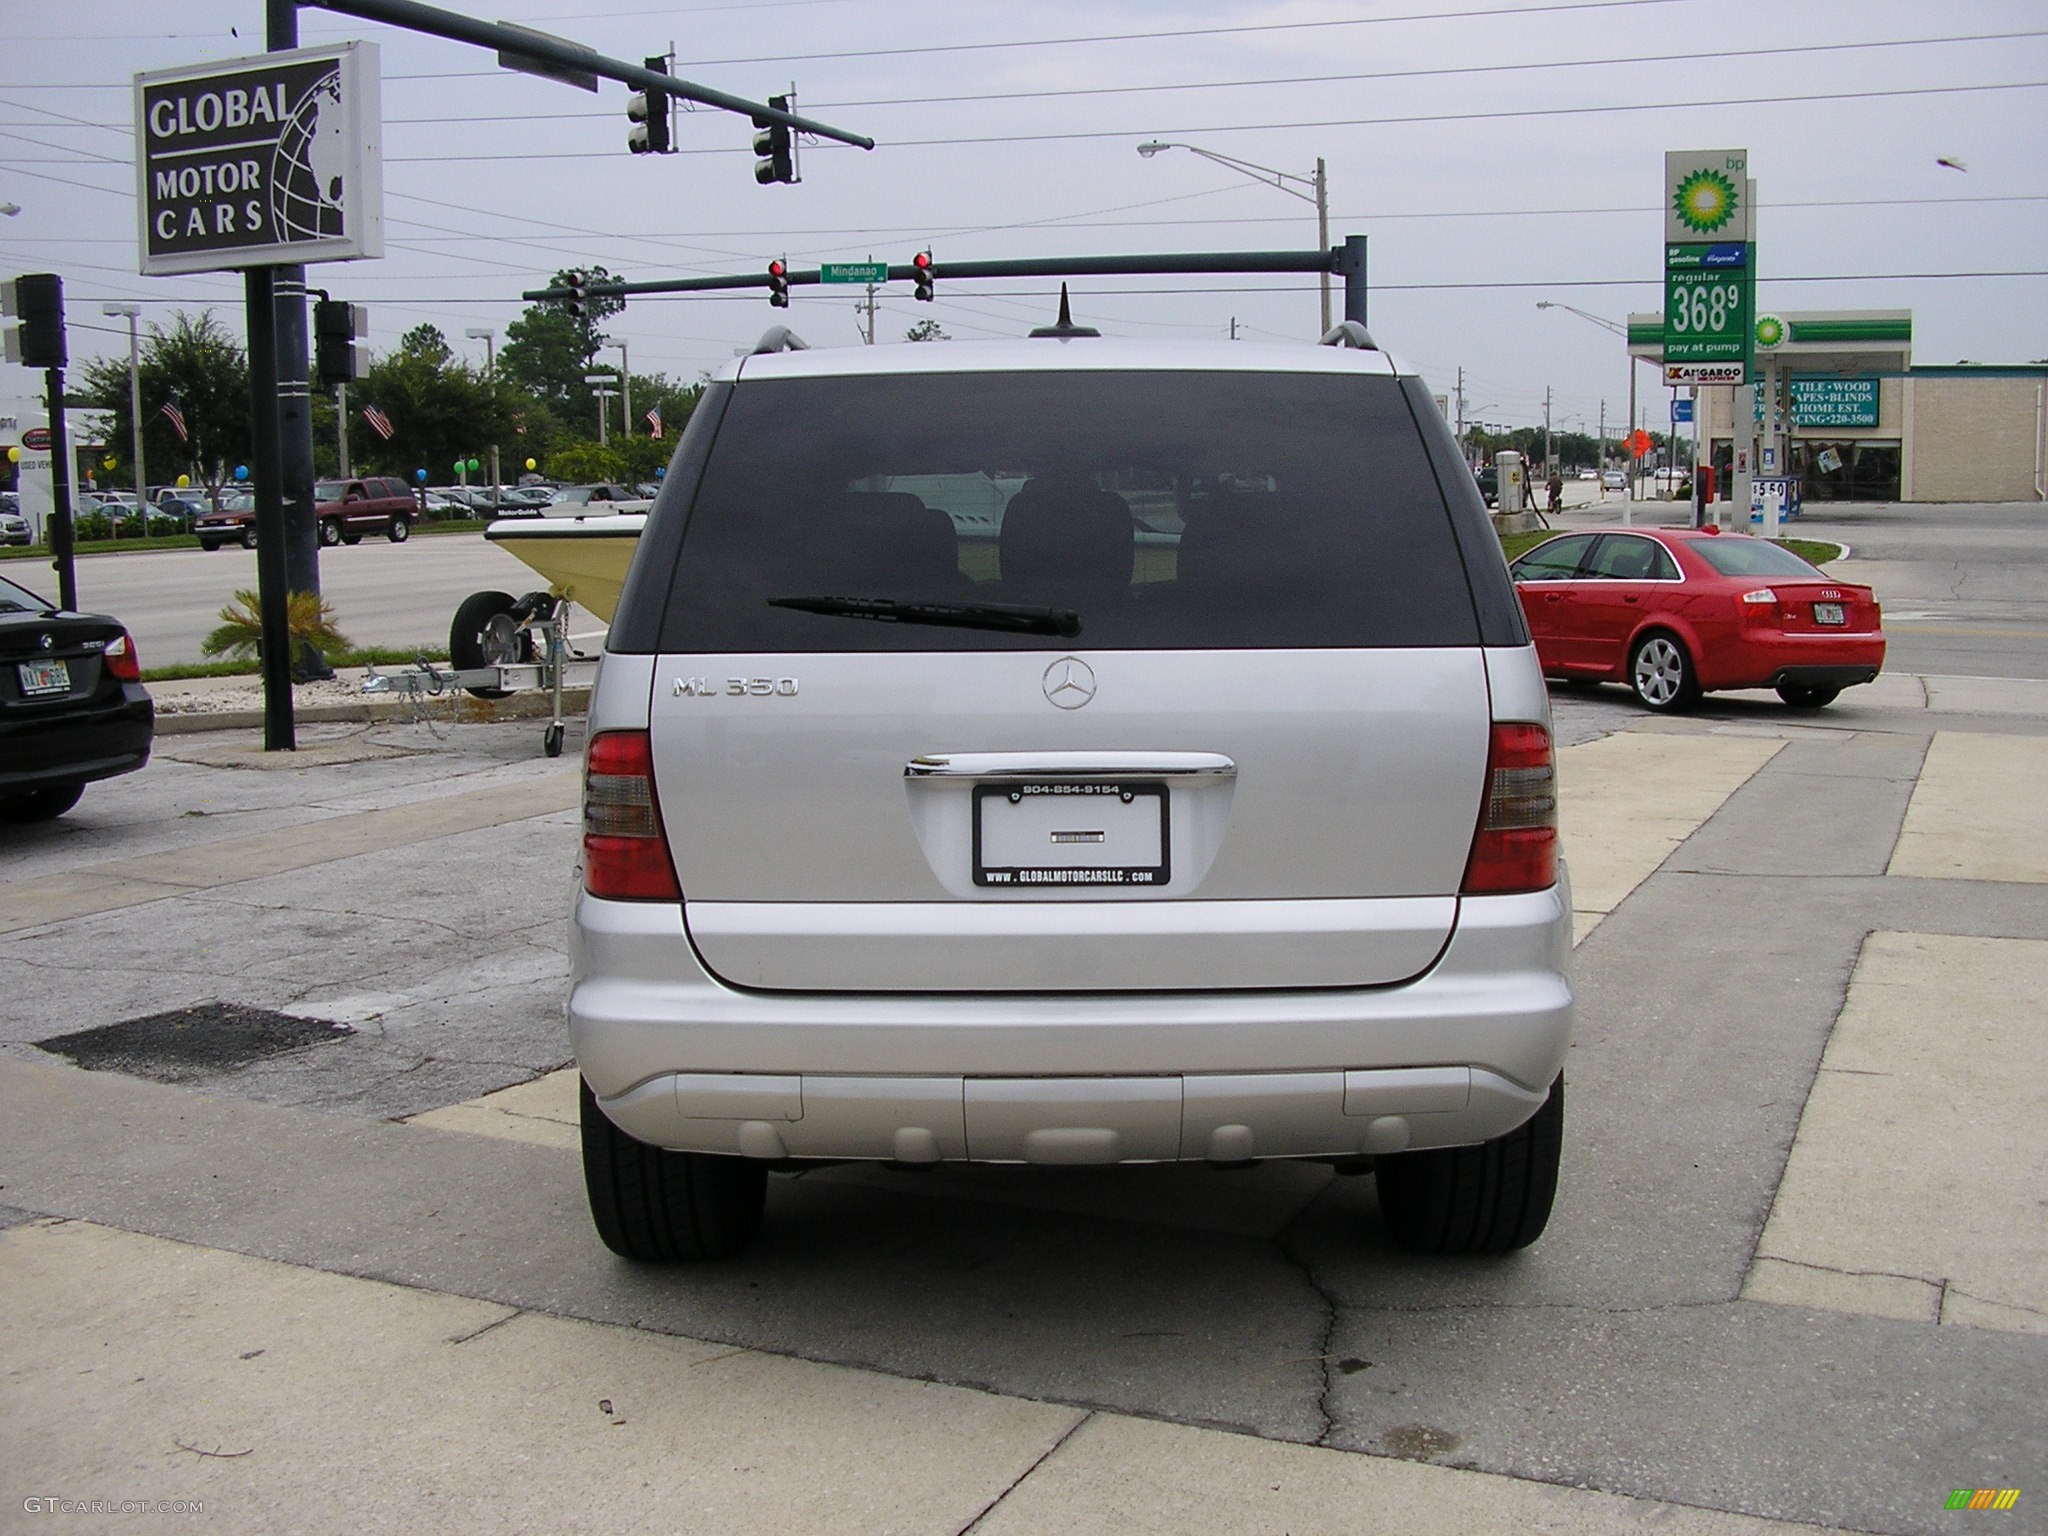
x=1709 y=304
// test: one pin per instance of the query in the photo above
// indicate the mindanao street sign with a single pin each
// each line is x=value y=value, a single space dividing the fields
x=854 y=272
x=267 y=161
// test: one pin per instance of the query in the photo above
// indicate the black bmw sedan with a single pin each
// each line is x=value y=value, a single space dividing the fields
x=72 y=705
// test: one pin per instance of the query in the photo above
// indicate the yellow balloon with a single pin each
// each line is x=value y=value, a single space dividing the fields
x=107 y=463
x=529 y=463
x=13 y=454
x=183 y=481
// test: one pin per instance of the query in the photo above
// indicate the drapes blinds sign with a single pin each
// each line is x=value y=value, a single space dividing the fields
x=261 y=162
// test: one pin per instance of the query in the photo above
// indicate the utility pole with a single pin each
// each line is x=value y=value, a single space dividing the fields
x=868 y=335
x=1462 y=447
x=134 y=314
x=1546 y=431
x=341 y=430
x=1601 y=455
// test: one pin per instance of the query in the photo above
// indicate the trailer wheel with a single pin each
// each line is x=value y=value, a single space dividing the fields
x=551 y=740
x=484 y=634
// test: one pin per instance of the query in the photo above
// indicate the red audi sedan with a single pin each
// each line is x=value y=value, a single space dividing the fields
x=1676 y=612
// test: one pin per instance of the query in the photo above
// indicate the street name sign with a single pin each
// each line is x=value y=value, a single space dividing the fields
x=854 y=272
x=266 y=161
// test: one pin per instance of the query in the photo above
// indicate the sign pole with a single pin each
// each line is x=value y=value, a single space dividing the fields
x=260 y=306
x=61 y=542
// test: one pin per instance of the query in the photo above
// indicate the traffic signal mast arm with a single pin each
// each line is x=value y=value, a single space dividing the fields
x=1347 y=260
x=569 y=58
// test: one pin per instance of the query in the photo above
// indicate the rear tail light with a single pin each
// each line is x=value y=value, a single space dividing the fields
x=121 y=659
x=1515 y=848
x=625 y=853
x=1760 y=595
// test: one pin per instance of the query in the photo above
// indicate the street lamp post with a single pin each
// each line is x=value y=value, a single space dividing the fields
x=134 y=313
x=625 y=385
x=597 y=382
x=488 y=337
x=1319 y=194
x=1628 y=502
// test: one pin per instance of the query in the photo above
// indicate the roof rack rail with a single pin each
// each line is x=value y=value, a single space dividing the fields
x=1349 y=333
x=780 y=338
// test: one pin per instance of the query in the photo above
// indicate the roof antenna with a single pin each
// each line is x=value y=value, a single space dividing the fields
x=1064 y=328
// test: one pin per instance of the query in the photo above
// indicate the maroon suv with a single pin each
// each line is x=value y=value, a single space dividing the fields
x=347 y=509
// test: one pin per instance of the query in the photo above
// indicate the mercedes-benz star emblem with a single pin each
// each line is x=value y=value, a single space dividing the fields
x=1070 y=682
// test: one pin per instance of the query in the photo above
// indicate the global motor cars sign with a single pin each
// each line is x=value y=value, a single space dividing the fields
x=266 y=161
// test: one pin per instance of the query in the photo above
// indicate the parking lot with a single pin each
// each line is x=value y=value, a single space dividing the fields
x=336 y=1272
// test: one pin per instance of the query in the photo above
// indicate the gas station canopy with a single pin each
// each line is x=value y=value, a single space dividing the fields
x=1800 y=342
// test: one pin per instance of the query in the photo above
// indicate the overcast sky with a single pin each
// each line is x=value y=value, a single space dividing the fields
x=1495 y=153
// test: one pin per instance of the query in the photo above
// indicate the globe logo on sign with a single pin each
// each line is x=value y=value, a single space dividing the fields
x=1705 y=201
x=308 y=166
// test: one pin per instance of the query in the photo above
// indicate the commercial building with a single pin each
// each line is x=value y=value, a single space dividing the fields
x=1859 y=422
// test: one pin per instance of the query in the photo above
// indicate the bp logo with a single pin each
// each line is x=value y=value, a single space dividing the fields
x=1770 y=330
x=1705 y=201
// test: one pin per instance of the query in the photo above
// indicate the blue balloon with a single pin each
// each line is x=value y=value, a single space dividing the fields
x=420 y=475
x=241 y=471
x=660 y=472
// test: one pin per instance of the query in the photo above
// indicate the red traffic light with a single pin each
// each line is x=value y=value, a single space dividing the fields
x=776 y=269
x=922 y=261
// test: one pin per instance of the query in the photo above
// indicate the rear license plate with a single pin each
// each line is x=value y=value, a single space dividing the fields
x=40 y=677
x=1828 y=613
x=1070 y=832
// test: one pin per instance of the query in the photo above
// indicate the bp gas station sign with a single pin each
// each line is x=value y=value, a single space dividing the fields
x=267 y=161
x=1709 y=267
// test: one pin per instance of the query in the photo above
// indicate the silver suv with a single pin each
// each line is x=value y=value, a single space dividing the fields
x=1069 y=751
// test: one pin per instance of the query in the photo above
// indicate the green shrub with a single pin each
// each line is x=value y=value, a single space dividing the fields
x=308 y=616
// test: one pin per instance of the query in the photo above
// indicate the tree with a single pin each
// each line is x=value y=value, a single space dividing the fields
x=547 y=350
x=585 y=464
x=926 y=330
x=440 y=410
x=199 y=364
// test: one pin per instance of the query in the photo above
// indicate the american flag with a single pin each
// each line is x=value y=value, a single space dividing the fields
x=654 y=422
x=379 y=422
x=177 y=419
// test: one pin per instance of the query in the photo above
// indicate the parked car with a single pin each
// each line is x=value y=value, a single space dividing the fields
x=349 y=509
x=1613 y=480
x=72 y=705
x=14 y=528
x=597 y=497
x=1069 y=752
x=1488 y=477
x=1677 y=612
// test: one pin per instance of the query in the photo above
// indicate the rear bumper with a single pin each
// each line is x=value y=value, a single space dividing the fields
x=1766 y=660
x=78 y=747
x=1459 y=1055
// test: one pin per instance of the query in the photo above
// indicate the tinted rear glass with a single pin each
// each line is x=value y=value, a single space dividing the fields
x=1753 y=557
x=1169 y=510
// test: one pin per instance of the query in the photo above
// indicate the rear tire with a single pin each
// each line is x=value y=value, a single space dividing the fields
x=40 y=804
x=401 y=530
x=1807 y=698
x=1492 y=1198
x=661 y=1207
x=330 y=531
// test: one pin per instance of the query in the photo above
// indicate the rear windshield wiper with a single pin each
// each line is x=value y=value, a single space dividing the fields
x=1010 y=618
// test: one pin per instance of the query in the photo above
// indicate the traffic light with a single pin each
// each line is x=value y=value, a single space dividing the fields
x=36 y=301
x=778 y=284
x=776 y=146
x=577 y=300
x=922 y=275
x=336 y=357
x=648 y=111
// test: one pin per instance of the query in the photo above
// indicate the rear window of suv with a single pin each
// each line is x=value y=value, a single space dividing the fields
x=1169 y=510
